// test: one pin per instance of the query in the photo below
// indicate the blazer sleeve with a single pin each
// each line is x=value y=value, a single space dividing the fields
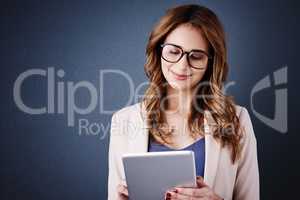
x=115 y=149
x=247 y=180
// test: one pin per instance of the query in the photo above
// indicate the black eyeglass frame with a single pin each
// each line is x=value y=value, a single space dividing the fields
x=183 y=53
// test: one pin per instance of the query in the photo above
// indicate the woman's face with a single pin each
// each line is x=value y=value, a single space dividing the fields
x=188 y=38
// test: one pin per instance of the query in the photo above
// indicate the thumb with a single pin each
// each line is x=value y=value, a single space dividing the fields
x=200 y=182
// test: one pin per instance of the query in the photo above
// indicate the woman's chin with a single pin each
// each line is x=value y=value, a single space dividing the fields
x=180 y=86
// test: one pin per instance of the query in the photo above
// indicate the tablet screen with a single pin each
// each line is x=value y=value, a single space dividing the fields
x=149 y=175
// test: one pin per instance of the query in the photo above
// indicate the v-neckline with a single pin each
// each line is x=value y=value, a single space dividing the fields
x=179 y=149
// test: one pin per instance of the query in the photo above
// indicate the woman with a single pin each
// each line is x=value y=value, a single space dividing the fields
x=184 y=108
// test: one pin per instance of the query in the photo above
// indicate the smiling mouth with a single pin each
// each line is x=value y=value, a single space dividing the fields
x=180 y=76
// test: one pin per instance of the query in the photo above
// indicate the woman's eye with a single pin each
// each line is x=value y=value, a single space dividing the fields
x=174 y=52
x=197 y=56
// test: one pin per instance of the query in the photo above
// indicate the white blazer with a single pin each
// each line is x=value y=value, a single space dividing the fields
x=239 y=181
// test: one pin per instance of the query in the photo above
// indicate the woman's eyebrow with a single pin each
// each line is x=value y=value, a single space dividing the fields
x=201 y=50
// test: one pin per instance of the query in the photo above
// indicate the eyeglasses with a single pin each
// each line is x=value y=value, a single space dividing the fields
x=172 y=53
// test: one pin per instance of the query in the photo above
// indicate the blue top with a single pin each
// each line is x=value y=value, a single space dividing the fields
x=197 y=147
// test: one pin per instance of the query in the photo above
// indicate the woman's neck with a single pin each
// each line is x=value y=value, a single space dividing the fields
x=179 y=101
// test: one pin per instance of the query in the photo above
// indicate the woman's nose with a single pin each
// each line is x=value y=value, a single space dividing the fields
x=183 y=63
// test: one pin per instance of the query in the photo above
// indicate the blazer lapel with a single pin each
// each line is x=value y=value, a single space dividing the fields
x=212 y=151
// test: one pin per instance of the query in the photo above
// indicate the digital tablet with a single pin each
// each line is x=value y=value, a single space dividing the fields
x=149 y=175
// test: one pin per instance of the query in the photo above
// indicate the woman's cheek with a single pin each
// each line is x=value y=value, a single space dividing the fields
x=166 y=70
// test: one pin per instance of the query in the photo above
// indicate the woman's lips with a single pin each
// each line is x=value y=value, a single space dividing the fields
x=180 y=76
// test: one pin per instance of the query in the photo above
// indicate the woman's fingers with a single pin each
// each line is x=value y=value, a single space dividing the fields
x=122 y=197
x=202 y=191
x=122 y=192
x=122 y=189
x=200 y=182
x=190 y=192
x=180 y=196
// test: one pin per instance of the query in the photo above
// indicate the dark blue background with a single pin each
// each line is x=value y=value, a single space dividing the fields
x=42 y=158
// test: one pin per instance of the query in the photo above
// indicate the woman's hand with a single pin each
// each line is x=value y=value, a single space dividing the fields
x=122 y=192
x=201 y=192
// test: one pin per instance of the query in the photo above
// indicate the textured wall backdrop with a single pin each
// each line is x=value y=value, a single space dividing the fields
x=76 y=52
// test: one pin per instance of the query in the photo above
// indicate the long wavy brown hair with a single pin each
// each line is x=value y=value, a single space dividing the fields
x=221 y=106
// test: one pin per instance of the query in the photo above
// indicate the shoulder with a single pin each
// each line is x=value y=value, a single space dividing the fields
x=243 y=115
x=246 y=126
x=131 y=112
x=126 y=123
x=239 y=109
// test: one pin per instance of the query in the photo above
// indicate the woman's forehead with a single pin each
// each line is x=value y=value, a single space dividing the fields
x=188 y=37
